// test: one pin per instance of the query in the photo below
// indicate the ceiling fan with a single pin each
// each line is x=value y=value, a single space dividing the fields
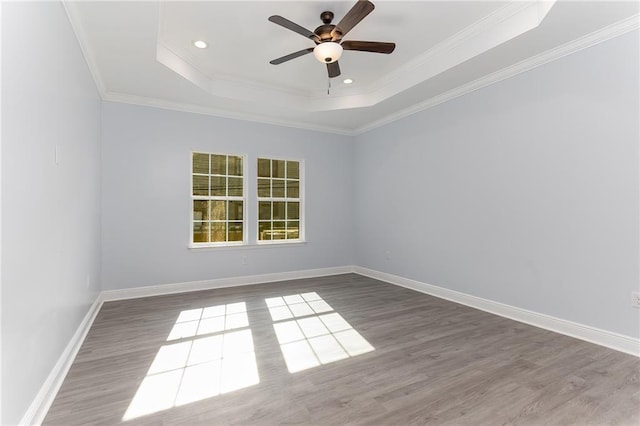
x=328 y=37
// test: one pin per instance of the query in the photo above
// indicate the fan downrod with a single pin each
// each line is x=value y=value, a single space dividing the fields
x=326 y=17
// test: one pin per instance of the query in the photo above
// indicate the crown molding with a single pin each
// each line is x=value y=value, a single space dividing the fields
x=614 y=30
x=218 y=84
x=504 y=24
x=225 y=86
x=183 y=107
x=76 y=24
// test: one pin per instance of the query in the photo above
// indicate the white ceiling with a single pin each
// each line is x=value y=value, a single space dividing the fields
x=143 y=53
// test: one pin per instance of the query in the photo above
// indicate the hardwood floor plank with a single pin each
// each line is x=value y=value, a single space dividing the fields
x=430 y=361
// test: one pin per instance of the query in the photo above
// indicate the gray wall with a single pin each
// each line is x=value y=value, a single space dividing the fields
x=50 y=213
x=525 y=192
x=146 y=200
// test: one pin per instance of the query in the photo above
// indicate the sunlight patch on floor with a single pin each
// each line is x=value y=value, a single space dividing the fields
x=209 y=320
x=206 y=360
x=311 y=333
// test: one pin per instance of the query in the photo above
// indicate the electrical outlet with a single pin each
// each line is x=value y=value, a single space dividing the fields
x=635 y=299
x=244 y=260
x=387 y=254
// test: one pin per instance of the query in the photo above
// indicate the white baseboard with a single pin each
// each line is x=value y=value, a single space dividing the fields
x=158 y=290
x=42 y=402
x=619 y=342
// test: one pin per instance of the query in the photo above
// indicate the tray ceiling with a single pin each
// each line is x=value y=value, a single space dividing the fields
x=143 y=53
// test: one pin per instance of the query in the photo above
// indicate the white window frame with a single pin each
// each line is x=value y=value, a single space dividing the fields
x=243 y=198
x=301 y=199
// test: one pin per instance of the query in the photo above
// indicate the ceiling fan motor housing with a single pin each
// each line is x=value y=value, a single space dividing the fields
x=324 y=31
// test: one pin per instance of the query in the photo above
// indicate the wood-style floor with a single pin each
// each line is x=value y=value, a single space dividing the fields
x=362 y=352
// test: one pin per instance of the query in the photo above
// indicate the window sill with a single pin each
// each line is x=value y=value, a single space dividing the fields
x=249 y=246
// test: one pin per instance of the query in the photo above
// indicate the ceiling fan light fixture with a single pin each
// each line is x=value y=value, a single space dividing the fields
x=327 y=52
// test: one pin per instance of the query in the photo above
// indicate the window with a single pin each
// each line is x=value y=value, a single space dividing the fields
x=279 y=200
x=218 y=199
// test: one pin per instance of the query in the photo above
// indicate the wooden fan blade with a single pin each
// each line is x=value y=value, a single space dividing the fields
x=333 y=69
x=291 y=56
x=284 y=22
x=357 y=13
x=369 y=46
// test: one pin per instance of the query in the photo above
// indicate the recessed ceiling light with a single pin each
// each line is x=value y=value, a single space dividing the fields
x=200 y=44
x=348 y=81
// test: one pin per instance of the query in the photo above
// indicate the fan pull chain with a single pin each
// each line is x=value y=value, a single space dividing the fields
x=328 y=86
